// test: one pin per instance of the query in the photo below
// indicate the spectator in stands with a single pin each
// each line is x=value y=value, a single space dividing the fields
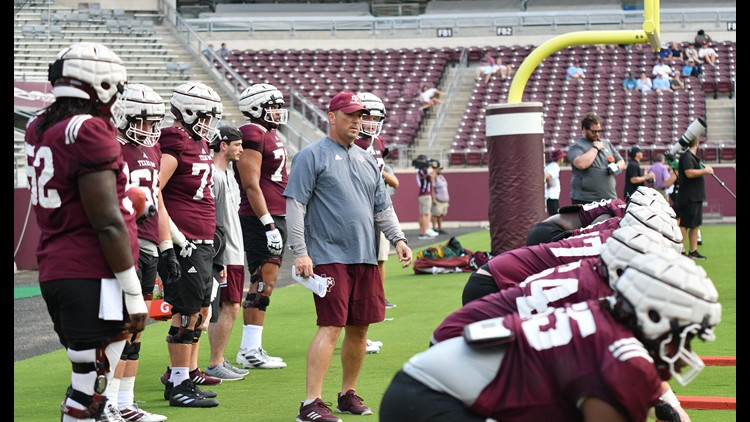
x=689 y=207
x=660 y=65
x=690 y=68
x=644 y=83
x=316 y=196
x=708 y=54
x=487 y=67
x=207 y=51
x=676 y=83
x=575 y=71
x=552 y=181
x=691 y=52
x=440 y=200
x=661 y=82
x=677 y=56
x=630 y=84
x=430 y=96
x=634 y=176
x=589 y=156
x=223 y=51
x=701 y=39
x=664 y=175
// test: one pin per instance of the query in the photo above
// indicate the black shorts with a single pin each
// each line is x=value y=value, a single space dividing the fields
x=407 y=399
x=255 y=242
x=478 y=285
x=147 y=265
x=75 y=317
x=691 y=215
x=193 y=290
x=544 y=232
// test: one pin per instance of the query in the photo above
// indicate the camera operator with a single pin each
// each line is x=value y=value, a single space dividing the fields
x=424 y=180
x=689 y=206
x=634 y=176
x=595 y=163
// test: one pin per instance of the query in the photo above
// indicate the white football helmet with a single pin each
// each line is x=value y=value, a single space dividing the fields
x=198 y=107
x=651 y=198
x=628 y=242
x=672 y=300
x=141 y=104
x=264 y=102
x=89 y=71
x=372 y=127
x=654 y=220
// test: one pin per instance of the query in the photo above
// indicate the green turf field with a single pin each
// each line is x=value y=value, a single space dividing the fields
x=423 y=301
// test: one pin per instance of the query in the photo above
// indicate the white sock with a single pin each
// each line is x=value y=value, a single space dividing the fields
x=306 y=402
x=252 y=336
x=125 y=395
x=113 y=388
x=179 y=374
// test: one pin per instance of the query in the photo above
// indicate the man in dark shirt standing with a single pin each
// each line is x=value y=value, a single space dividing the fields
x=689 y=207
x=634 y=176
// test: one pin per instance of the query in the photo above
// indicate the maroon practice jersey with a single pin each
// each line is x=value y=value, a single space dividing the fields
x=374 y=146
x=589 y=212
x=142 y=166
x=68 y=245
x=568 y=353
x=187 y=195
x=553 y=287
x=612 y=223
x=273 y=176
x=512 y=267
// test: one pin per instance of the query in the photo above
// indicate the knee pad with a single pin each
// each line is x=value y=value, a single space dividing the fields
x=196 y=336
x=131 y=351
x=91 y=371
x=181 y=335
x=256 y=300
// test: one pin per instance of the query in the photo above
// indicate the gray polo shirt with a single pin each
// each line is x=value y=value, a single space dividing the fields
x=595 y=183
x=341 y=190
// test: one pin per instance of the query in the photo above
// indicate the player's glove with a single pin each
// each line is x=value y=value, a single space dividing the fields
x=275 y=244
x=665 y=412
x=179 y=239
x=168 y=267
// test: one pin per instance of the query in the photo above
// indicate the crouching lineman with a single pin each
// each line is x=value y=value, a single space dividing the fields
x=616 y=351
x=88 y=237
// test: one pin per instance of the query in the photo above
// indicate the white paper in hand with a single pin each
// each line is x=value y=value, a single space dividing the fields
x=315 y=283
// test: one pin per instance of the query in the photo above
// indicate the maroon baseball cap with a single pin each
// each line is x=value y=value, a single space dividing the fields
x=348 y=102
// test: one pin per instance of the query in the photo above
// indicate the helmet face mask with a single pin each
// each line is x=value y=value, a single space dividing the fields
x=673 y=301
x=198 y=107
x=89 y=71
x=143 y=112
x=264 y=102
x=372 y=124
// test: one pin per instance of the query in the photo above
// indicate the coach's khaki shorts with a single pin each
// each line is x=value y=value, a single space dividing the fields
x=439 y=209
x=425 y=204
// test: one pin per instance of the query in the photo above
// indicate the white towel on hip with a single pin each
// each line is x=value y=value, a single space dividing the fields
x=110 y=300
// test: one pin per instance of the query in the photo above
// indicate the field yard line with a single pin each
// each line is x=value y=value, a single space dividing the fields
x=708 y=403
x=719 y=360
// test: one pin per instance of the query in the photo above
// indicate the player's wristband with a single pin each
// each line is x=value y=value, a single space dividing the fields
x=670 y=398
x=267 y=222
x=167 y=244
x=129 y=281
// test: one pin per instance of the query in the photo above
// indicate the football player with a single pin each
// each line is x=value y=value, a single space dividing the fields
x=261 y=174
x=138 y=133
x=512 y=267
x=577 y=216
x=601 y=359
x=370 y=140
x=88 y=237
x=185 y=177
